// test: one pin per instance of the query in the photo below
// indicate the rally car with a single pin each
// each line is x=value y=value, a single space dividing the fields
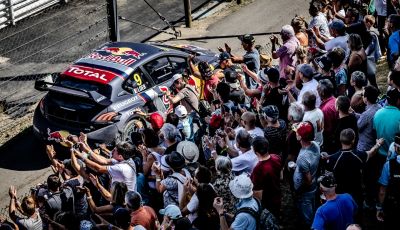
x=98 y=94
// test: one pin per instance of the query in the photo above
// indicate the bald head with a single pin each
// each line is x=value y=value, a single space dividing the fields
x=249 y=118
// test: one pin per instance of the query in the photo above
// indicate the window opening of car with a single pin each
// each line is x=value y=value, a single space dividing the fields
x=164 y=68
x=137 y=82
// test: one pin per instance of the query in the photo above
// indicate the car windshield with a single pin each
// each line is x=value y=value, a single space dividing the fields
x=69 y=82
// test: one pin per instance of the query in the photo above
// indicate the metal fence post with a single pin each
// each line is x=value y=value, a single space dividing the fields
x=112 y=15
x=11 y=12
x=188 y=13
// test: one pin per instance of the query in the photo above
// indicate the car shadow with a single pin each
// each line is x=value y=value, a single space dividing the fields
x=23 y=153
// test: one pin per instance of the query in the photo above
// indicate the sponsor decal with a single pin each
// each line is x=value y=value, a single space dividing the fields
x=120 y=55
x=90 y=74
x=124 y=103
x=57 y=136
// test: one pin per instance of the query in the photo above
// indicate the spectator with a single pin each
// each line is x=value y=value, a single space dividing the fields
x=346 y=119
x=286 y=52
x=54 y=203
x=337 y=55
x=208 y=80
x=171 y=136
x=364 y=123
x=274 y=129
x=339 y=209
x=394 y=40
x=249 y=124
x=381 y=11
x=325 y=91
x=358 y=57
x=358 y=81
x=319 y=21
x=340 y=38
x=117 y=200
x=388 y=198
x=266 y=176
x=387 y=128
x=314 y=115
x=121 y=167
x=173 y=219
x=347 y=165
x=140 y=215
x=186 y=95
x=31 y=219
x=242 y=188
x=208 y=218
x=223 y=166
x=305 y=175
x=172 y=186
x=305 y=73
x=247 y=159
x=300 y=26
x=295 y=116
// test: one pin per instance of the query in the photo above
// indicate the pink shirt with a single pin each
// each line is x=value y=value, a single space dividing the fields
x=287 y=55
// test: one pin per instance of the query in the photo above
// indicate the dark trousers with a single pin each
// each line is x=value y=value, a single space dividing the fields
x=372 y=173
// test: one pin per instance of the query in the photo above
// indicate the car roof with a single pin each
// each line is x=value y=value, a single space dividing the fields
x=112 y=60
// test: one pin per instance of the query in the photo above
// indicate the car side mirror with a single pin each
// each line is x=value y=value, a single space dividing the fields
x=45 y=83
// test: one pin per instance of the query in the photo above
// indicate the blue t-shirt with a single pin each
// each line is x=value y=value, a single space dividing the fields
x=385 y=175
x=244 y=220
x=386 y=128
x=341 y=77
x=335 y=214
x=393 y=46
x=307 y=161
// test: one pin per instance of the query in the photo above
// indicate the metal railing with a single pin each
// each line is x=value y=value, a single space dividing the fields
x=12 y=11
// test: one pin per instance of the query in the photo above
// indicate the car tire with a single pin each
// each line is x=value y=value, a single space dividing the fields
x=130 y=127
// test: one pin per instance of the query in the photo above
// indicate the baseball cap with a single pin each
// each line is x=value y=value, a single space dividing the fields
x=337 y=24
x=230 y=76
x=156 y=121
x=181 y=111
x=324 y=63
x=224 y=56
x=172 y=211
x=247 y=39
x=176 y=76
x=215 y=121
x=271 y=111
x=306 y=69
x=305 y=130
x=327 y=181
x=188 y=150
x=241 y=186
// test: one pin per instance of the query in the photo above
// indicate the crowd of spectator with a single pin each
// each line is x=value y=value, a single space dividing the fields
x=317 y=122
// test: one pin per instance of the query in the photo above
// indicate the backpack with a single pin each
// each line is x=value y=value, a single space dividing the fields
x=60 y=202
x=264 y=218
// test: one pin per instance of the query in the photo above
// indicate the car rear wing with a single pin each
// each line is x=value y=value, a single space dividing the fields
x=42 y=85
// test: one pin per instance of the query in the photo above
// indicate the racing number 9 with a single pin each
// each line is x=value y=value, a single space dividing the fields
x=137 y=79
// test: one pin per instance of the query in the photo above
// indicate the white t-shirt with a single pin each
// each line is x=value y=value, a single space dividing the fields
x=192 y=207
x=123 y=172
x=312 y=87
x=316 y=117
x=256 y=132
x=245 y=162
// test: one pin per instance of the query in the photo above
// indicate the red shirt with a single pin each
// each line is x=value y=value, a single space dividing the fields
x=266 y=177
x=330 y=116
x=144 y=216
x=212 y=83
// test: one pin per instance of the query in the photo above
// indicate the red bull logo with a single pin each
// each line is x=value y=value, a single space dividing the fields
x=123 y=51
x=57 y=136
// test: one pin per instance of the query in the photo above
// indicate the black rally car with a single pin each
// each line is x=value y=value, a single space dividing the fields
x=98 y=93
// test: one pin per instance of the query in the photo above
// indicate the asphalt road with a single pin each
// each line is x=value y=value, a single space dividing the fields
x=23 y=162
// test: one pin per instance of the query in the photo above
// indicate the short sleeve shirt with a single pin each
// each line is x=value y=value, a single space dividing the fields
x=244 y=162
x=286 y=54
x=189 y=98
x=307 y=161
x=123 y=172
x=341 y=77
x=244 y=220
x=30 y=223
x=321 y=23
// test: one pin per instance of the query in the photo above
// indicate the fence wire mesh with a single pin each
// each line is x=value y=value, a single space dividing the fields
x=39 y=45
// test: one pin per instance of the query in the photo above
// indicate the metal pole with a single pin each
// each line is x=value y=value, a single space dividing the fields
x=188 y=13
x=112 y=15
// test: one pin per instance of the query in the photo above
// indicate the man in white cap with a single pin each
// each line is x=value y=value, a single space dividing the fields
x=186 y=94
x=242 y=188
